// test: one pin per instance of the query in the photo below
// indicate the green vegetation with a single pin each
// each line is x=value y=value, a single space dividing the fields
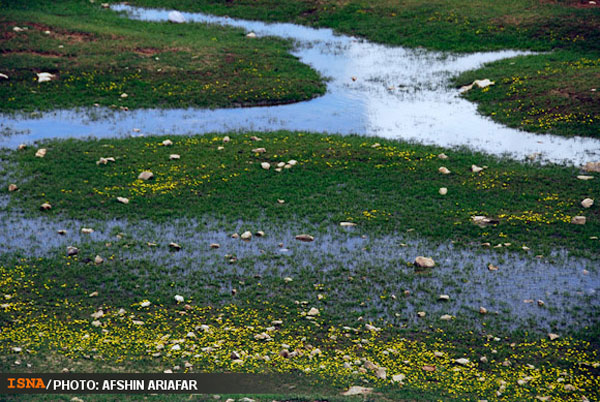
x=554 y=89
x=387 y=189
x=98 y=56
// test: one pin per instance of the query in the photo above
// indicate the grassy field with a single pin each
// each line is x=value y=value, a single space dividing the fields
x=98 y=56
x=553 y=91
x=387 y=189
x=253 y=299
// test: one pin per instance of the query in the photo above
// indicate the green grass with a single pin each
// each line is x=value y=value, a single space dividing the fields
x=554 y=93
x=97 y=56
x=389 y=189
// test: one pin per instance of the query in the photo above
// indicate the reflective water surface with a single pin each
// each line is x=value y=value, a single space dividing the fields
x=373 y=89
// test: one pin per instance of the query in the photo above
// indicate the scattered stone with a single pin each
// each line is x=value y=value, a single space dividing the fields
x=174 y=157
x=251 y=35
x=552 y=336
x=235 y=236
x=87 y=230
x=357 y=390
x=247 y=235
x=480 y=83
x=3 y=76
x=61 y=232
x=124 y=95
x=167 y=143
x=259 y=150
x=444 y=297
x=40 y=153
x=428 y=368
x=540 y=303
x=145 y=303
x=424 y=262
x=483 y=221
x=376 y=145
x=72 y=250
x=446 y=317
x=287 y=279
x=226 y=139
x=45 y=206
x=421 y=314
x=22 y=147
x=179 y=298
x=476 y=169
x=174 y=246
x=146 y=175
x=255 y=138
x=260 y=233
x=12 y=187
x=444 y=170
x=265 y=165
x=305 y=237
x=104 y=161
x=592 y=167
x=45 y=77
x=98 y=260
x=578 y=220
x=215 y=245
x=492 y=267
x=398 y=378
x=587 y=203
x=443 y=191
x=313 y=312
x=176 y=17
x=292 y=162
x=482 y=310
x=280 y=201
x=123 y=200
x=584 y=177
x=347 y=224
x=462 y=361
x=442 y=156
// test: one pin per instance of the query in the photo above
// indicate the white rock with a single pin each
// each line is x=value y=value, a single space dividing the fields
x=313 y=312
x=145 y=175
x=72 y=250
x=179 y=298
x=176 y=17
x=347 y=224
x=305 y=237
x=226 y=139
x=462 y=361
x=446 y=317
x=123 y=200
x=259 y=150
x=552 y=336
x=174 y=157
x=98 y=260
x=476 y=169
x=357 y=390
x=45 y=77
x=40 y=153
x=443 y=191
x=251 y=35
x=174 y=246
x=588 y=202
x=87 y=230
x=292 y=162
x=398 y=377
x=247 y=235
x=424 y=262
x=265 y=165
x=45 y=206
x=584 y=177
x=124 y=95
x=444 y=170
x=145 y=303
x=167 y=143
x=444 y=297
x=578 y=220
x=12 y=187
x=3 y=76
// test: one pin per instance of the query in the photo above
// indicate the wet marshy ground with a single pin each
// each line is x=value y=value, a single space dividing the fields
x=372 y=89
